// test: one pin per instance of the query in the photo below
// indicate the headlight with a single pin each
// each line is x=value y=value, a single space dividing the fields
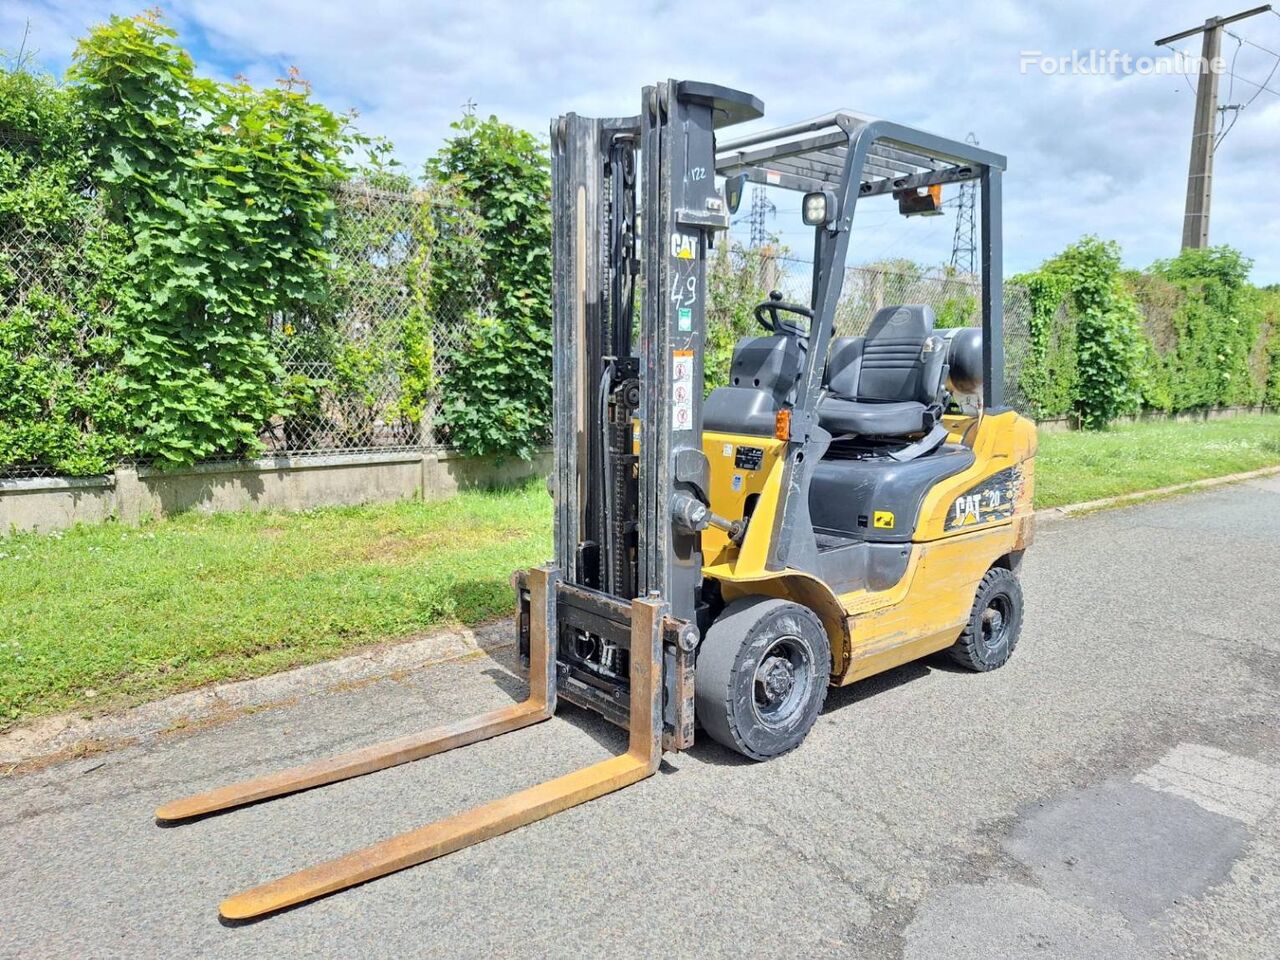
x=819 y=208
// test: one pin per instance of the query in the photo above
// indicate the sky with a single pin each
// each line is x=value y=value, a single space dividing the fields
x=1104 y=153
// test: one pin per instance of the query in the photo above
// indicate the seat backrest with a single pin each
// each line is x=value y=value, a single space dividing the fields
x=766 y=363
x=762 y=379
x=899 y=358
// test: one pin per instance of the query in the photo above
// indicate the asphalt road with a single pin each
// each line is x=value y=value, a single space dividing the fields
x=1113 y=792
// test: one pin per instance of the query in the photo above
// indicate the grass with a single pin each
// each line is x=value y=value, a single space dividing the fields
x=105 y=615
x=102 y=616
x=1130 y=458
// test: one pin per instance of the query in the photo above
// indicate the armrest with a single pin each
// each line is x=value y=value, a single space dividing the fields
x=933 y=355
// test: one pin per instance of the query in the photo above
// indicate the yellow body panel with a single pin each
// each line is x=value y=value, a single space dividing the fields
x=729 y=497
x=933 y=608
x=966 y=524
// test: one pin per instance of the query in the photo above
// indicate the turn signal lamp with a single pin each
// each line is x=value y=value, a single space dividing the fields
x=782 y=424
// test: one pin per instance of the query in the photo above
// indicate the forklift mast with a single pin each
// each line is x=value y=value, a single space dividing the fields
x=634 y=198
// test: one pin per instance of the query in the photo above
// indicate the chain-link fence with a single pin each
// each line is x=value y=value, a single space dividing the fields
x=55 y=307
x=955 y=298
x=363 y=367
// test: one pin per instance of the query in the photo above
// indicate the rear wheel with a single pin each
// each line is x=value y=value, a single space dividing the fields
x=761 y=676
x=994 y=623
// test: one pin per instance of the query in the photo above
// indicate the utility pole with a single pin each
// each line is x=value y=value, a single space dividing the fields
x=1195 y=223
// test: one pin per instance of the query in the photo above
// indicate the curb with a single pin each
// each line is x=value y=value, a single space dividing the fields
x=69 y=735
x=1051 y=514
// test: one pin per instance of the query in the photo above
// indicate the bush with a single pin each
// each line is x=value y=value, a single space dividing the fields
x=496 y=387
x=1104 y=382
x=737 y=281
x=1049 y=372
x=1216 y=326
x=1269 y=305
x=59 y=356
x=225 y=195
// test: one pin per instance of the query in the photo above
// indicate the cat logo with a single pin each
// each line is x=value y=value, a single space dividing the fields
x=967 y=509
x=683 y=247
x=883 y=520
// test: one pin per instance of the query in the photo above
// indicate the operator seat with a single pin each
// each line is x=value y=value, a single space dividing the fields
x=888 y=383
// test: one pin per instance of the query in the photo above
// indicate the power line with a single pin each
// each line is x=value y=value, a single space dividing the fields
x=1231 y=87
x=1263 y=85
x=1252 y=83
x=1251 y=43
x=1265 y=82
x=1223 y=127
x=1235 y=117
x=762 y=209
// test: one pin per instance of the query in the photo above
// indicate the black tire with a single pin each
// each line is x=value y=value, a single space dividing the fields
x=995 y=623
x=762 y=715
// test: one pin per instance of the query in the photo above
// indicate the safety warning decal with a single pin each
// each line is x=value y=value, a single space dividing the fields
x=883 y=520
x=681 y=389
x=991 y=500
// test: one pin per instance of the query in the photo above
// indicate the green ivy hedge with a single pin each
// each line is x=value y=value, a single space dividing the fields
x=171 y=217
x=184 y=233
x=1190 y=333
x=61 y=262
x=224 y=193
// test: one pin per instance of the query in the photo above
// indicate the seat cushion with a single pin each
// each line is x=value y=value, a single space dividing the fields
x=871 y=419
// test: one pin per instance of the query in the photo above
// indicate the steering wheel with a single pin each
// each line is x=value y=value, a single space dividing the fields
x=767 y=315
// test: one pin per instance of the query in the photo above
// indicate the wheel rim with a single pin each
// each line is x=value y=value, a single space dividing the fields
x=995 y=623
x=782 y=680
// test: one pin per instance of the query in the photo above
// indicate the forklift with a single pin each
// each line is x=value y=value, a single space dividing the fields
x=842 y=506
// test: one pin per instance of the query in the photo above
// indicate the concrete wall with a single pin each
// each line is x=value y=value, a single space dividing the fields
x=132 y=495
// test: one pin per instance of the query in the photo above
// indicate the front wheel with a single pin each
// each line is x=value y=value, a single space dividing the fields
x=761 y=676
x=994 y=623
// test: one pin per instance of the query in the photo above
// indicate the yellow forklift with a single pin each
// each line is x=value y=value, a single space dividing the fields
x=829 y=514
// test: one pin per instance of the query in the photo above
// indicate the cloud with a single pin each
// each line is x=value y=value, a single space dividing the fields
x=1105 y=155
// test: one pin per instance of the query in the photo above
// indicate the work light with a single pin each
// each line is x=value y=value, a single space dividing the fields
x=819 y=208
